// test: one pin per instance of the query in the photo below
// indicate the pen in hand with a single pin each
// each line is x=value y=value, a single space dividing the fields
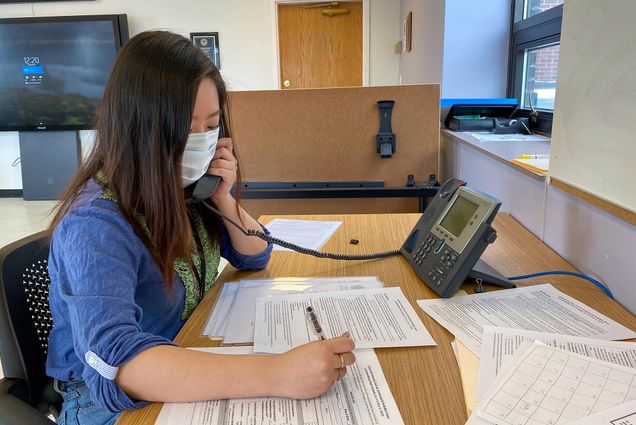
x=313 y=323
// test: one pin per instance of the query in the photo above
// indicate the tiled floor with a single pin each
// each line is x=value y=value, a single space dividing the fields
x=20 y=218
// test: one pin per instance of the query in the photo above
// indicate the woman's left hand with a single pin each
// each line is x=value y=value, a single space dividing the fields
x=224 y=165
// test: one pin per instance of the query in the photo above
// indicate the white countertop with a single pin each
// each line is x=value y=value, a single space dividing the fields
x=502 y=149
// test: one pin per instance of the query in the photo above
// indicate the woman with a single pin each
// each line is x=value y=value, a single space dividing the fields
x=130 y=259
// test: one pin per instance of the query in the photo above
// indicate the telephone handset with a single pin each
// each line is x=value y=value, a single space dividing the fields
x=449 y=238
x=203 y=188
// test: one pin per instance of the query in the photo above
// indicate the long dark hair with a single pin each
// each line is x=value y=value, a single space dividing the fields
x=142 y=126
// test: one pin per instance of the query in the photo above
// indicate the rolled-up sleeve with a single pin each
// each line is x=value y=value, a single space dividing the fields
x=97 y=284
x=244 y=262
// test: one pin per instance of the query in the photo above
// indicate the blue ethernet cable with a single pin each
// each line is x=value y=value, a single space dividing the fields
x=603 y=288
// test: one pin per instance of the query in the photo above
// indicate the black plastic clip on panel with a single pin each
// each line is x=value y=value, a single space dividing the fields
x=385 y=140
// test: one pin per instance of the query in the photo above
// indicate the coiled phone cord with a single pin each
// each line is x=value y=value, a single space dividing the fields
x=270 y=239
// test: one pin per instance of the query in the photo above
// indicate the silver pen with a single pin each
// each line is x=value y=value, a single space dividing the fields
x=313 y=322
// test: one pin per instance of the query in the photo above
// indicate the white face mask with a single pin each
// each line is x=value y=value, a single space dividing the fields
x=199 y=150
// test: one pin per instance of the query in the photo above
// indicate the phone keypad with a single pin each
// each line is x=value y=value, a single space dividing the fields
x=446 y=258
x=423 y=249
x=443 y=266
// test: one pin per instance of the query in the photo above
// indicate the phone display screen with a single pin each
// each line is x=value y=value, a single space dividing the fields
x=458 y=216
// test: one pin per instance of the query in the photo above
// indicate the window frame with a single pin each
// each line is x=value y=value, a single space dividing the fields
x=536 y=31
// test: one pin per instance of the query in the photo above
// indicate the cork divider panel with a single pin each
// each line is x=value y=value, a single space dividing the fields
x=329 y=135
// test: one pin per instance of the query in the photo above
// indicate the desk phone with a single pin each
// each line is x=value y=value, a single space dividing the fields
x=451 y=235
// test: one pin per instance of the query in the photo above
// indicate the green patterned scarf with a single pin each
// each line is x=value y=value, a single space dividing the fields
x=211 y=254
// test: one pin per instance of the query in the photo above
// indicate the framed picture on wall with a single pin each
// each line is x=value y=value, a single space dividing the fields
x=209 y=43
x=407 y=33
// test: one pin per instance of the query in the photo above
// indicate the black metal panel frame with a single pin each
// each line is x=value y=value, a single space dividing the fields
x=423 y=192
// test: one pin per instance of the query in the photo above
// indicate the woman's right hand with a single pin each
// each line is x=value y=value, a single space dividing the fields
x=311 y=369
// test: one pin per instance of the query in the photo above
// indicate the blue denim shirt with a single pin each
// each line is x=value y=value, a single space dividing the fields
x=108 y=299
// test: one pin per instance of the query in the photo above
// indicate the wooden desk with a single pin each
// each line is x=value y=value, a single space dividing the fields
x=425 y=381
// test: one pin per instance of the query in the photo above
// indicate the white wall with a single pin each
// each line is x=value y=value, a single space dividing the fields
x=384 y=22
x=593 y=134
x=476 y=36
x=594 y=241
x=10 y=177
x=244 y=28
x=423 y=64
x=246 y=37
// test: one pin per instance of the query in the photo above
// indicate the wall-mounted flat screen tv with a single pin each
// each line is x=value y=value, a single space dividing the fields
x=53 y=70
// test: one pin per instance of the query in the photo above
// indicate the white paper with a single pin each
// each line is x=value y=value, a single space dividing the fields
x=546 y=385
x=215 y=326
x=489 y=137
x=375 y=318
x=240 y=323
x=362 y=397
x=310 y=234
x=499 y=345
x=537 y=308
x=625 y=414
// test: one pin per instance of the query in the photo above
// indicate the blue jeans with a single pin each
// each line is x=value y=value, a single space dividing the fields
x=78 y=408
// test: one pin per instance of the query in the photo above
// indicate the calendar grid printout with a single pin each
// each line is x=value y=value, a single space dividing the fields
x=550 y=386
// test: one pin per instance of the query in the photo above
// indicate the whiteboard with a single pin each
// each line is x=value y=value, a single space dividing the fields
x=594 y=127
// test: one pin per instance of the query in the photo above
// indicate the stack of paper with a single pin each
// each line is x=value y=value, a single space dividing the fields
x=375 y=318
x=362 y=397
x=232 y=318
x=548 y=385
x=499 y=327
x=538 y=307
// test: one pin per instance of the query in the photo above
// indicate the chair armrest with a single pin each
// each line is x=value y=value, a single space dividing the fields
x=15 y=411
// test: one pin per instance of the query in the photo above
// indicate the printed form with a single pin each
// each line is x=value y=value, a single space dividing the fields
x=362 y=397
x=240 y=323
x=499 y=345
x=310 y=234
x=375 y=318
x=536 y=308
x=549 y=386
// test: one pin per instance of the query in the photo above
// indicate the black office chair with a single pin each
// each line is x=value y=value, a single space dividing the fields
x=26 y=393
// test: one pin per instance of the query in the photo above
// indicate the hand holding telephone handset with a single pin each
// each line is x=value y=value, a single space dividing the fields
x=207 y=184
x=442 y=248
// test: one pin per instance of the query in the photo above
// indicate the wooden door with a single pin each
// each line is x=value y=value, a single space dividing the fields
x=318 y=50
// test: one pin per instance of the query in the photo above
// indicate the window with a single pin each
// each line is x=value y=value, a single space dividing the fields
x=534 y=59
x=539 y=77
x=534 y=7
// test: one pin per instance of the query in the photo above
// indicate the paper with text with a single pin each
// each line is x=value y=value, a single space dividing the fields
x=310 y=234
x=536 y=308
x=499 y=345
x=550 y=386
x=362 y=397
x=375 y=318
x=240 y=323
